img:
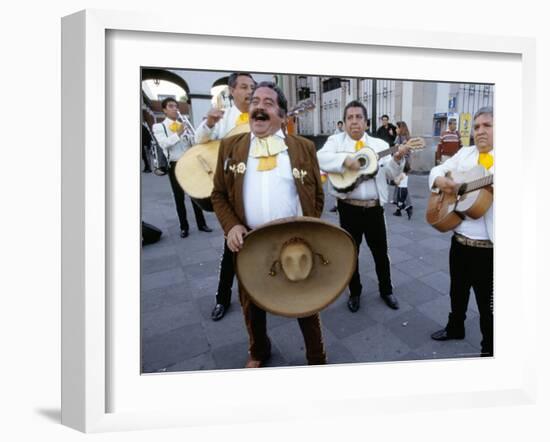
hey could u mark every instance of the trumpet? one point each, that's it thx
(189, 132)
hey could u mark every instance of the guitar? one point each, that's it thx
(474, 197)
(196, 167)
(368, 158)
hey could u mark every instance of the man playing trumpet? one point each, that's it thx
(171, 137)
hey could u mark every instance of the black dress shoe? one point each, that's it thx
(444, 335)
(391, 301)
(218, 312)
(184, 233)
(147, 170)
(205, 228)
(354, 303)
(334, 209)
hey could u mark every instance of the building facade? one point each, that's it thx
(425, 106)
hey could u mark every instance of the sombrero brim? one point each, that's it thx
(276, 294)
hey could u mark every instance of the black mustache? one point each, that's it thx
(260, 115)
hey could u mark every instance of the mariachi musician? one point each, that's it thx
(261, 177)
(172, 137)
(471, 253)
(218, 124)
(362, 209)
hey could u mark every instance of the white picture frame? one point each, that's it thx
(89, 232)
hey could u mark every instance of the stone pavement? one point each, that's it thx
(179, 279)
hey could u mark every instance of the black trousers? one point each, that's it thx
(145, 158)
(471, 267)
(227, 274)
(145, 143)
(179, 198)
(370, 223)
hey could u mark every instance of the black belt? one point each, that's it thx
(362, 203)
(480, 243)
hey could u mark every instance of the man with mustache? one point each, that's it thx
(216, 126)
(471, 253)
(361, 211)
(260, 177)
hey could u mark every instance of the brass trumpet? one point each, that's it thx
(189, 132)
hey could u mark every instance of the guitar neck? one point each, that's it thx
(387, 152)
(478, 184)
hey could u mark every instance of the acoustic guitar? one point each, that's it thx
(196, 167)
(368, 158)
(473, 198)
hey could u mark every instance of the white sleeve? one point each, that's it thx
(203, 133)
(165, 142)
(442, 169)
(330, 160)
(392, 168)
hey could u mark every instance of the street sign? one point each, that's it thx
(465, 128)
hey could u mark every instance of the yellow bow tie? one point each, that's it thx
(359, 144)
(242, 119)
(174, 127)
(267, 149)
(486, 160)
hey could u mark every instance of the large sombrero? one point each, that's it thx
(296, 266)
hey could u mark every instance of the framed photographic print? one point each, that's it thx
(128, 360)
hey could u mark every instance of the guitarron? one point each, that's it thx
(196, 167)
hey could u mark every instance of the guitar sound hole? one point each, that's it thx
(362, 161)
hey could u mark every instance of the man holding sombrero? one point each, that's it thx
(260, 177)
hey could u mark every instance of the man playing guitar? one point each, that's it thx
(361, 210)
(471, 253)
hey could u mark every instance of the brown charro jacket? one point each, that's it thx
(227, 195)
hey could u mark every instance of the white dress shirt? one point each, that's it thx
(271, 194)
(171, 143)
(341, 146)
(220, 129)
(466, 158)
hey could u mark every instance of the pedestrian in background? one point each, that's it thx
(402, 136)
(387, 131)
(402, 187)
(449, 143)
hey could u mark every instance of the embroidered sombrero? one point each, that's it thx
(297, 266)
